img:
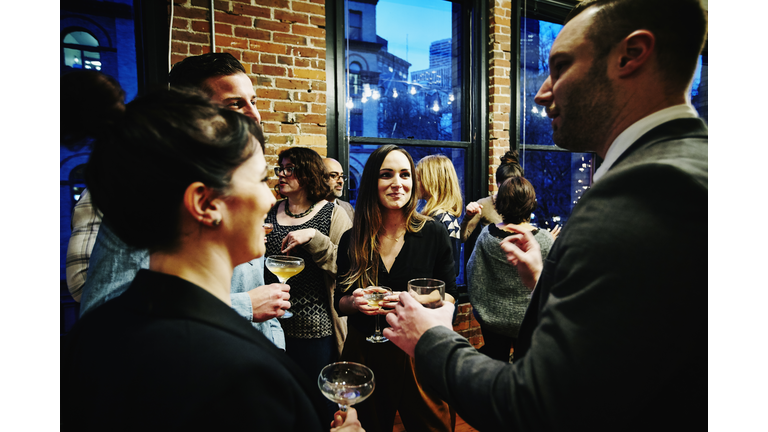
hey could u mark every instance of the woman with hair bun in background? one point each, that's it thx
(483, 211)
(497, 294)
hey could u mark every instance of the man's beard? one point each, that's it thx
(587, 112)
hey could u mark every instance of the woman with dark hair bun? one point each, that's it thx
(186, 180)
(483, 211)
(307, 226)
(497, 294)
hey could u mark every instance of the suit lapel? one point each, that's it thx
(671, 130)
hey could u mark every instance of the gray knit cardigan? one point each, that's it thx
(496, 292)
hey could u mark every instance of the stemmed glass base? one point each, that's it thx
(287, 314)
(376, 338)
(376, 295)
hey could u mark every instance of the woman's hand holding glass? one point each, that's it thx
(361, 303)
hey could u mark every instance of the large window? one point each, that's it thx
(410, 75)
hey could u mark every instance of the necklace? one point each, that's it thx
(396, 239)
(300, 215)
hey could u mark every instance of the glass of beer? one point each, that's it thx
(429, 292)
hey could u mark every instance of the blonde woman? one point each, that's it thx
(439, 186)
(389, 244)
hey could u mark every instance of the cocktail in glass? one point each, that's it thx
(284, 267)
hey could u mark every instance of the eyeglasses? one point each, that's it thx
(336, 176)
(287, 171)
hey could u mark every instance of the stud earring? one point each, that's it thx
(216, 222)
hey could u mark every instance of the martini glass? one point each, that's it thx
(284, 267)
(346, 383)
(376, 296)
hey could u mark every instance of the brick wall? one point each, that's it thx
(281, 43)
(499, 100)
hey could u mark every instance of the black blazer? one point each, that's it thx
(615, 337)
(168, 355)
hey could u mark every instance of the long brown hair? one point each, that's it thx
(364, 243)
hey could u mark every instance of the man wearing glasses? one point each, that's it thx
(336, 182)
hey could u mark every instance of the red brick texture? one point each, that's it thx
(281, 43)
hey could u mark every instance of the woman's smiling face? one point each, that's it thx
(395, 181)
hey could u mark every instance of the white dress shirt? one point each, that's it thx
(634, 132)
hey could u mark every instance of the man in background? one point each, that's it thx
(336, 182)
(615, 336)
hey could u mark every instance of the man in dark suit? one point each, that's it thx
(615, 337)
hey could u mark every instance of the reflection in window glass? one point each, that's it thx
(407, 88)
(559, 179)
(536, 41)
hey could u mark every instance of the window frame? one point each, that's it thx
(475, 131)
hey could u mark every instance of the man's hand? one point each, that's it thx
(346, 422)
(411, 320)
(269, 301)
(472, 209)
(523, 251)
(555, 231)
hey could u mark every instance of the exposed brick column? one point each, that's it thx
(499, 91)
(281, 43)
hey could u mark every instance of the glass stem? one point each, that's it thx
(378, 328)
(342, 408)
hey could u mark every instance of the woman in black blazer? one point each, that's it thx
(188, 181)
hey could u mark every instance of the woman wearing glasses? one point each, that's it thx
(306, 225)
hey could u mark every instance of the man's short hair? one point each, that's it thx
(193, 71)
(680, 28)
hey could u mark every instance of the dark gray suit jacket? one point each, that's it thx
(615, 337)
(168, 355)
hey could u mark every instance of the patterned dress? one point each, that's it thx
(309, 296)
(454, 228)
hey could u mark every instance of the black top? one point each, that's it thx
(425, 254)
(168, 355)
(309, 295)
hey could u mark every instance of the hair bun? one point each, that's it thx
(510, 157)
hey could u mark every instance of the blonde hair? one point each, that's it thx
(440, 185)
